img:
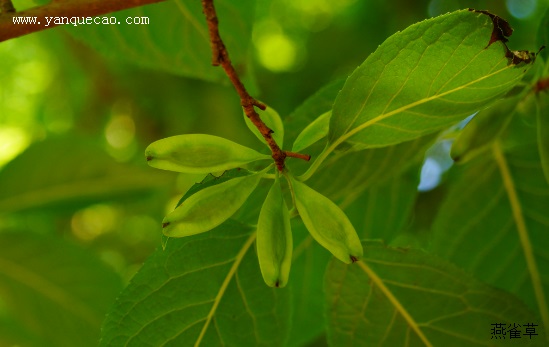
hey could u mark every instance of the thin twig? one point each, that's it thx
(220, 56)
(6, 6)
(83, 8)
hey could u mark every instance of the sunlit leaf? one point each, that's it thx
(56, 292)
(199, 153)
(426, 77)
(403, 297)
(203, 290)
(315, 131)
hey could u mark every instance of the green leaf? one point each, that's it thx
(543, 133)
(493, 223)
(427, 77)
(404, 297)
(326, 222)
(383, 210)
(204, 290)
(55, 292)
(347, 176)
(309, 263)
(52, 173)
(209, 207)
(176, 39)
(318, 103)
(199, 153)
(315, 131)
(481, 131)
(274, 238)
(273, 121)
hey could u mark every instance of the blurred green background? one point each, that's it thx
(79, 105)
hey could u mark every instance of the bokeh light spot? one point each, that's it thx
(521, 8)
(276, 52)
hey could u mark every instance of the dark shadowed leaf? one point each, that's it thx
(494, 223)
(70, 172)
(176, 38)
(403, 297)
(203, 290)
(56, 293)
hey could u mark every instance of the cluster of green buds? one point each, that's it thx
(211, 206)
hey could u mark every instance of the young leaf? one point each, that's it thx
(203, 290)
(55, 293)
(404, 297)
(198, 153)
(493, 223)
(210, 207)
(274, 238)
(426, 77)
(273, 121)
(314, 132)
(327, 223)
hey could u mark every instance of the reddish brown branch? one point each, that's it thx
(220, 56)
(84, 8)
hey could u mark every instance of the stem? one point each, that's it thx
(84, 8)
(220, 56)
(316, 164)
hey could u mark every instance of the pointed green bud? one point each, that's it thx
(199, 153)
(274, 238)
(209, 207)
(314, 132)
(327, 223)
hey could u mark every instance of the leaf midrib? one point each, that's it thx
(522, 231)
(395, 302)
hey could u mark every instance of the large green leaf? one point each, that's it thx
(176, 38)
(55, 293)
(426, 77)
(494, 223)
(403, 297)
(306, 280)
(69, 172)
(203, 290)
(383, 210)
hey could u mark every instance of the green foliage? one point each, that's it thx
(56, 293)
(208, 300)
(345, 250)
(399, 296)
(176, 38)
